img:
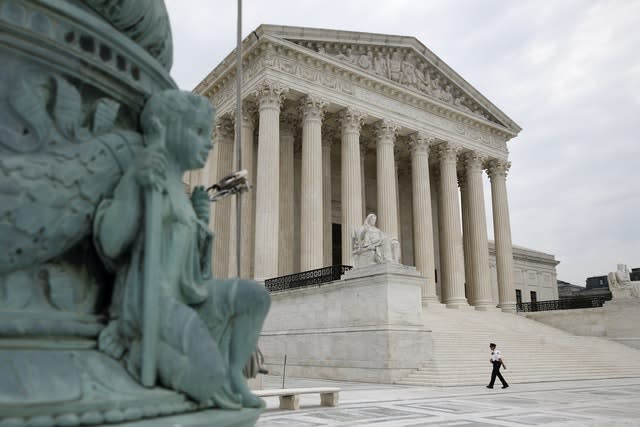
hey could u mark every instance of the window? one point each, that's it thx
(518, 296)
(534, 297)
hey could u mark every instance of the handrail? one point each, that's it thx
(306, 278)
(564, 303)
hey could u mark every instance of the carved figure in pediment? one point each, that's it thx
(479, 112)
(395, 65)
(366, 61)
(380, 65)
(422, 82)
(446, 95)
(348, 57)
(408, 76)
(437, 88)
(461, 102)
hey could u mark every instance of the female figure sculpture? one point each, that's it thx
(371, 245)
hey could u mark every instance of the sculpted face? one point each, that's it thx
(371, 219)
(197, 138)
(192, 141)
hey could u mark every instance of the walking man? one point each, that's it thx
(496, 361)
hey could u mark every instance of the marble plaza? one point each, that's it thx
(592, 403)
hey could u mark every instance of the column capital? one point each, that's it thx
(386, 131)
(419, 143)
(224, 128)
(497, 168)
(473, 161)
(351, 120)
(313, 107)
(270, 94)
(447, 152)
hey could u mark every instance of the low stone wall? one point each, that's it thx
(584, 321)
(617, 320)
(364, 329)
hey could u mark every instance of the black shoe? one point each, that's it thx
(505, 386)
(489, 386)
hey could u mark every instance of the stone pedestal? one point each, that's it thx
(367, 328)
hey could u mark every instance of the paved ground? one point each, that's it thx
(601, 403)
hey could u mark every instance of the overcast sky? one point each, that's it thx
(567, 71)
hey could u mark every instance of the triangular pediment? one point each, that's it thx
(396, 59)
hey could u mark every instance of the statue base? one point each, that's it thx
(375, 269)
(56, 384)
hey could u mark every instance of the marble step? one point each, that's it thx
(533, 352)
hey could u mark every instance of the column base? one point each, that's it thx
(485, 306)
(458, 304)
(432, 303)
(508, 307)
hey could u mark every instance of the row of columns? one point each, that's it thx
(271, 226)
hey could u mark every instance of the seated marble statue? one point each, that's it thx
(208, 328)
(371, 246)
(621, 285)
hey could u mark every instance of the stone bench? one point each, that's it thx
(290, 397)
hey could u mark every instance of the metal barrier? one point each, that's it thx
(564, 303)
(306, 278)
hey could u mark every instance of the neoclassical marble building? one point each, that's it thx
(338, 124)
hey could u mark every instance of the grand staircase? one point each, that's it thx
(532, 351)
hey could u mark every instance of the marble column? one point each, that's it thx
(363, 180)
(351, 180)
(466, 235)
(297, 192)
(247, 204)
(311, 224)
(451, 236)
(478, 241)
(286, 244)
(222, 219)
(270, 97)
(497, 172)
(422, 215)
(396, 176)
(327, 237)
(386, 178)
(405, 212)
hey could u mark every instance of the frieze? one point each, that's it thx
(438, 116)
(402, 66)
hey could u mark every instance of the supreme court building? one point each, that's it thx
(339, 124)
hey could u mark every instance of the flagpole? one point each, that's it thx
(238, 131)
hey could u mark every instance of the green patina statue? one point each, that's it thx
(109, 310)
(208, 328)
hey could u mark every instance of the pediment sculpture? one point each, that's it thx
(405, 68)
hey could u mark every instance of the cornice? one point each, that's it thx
(265, 51)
